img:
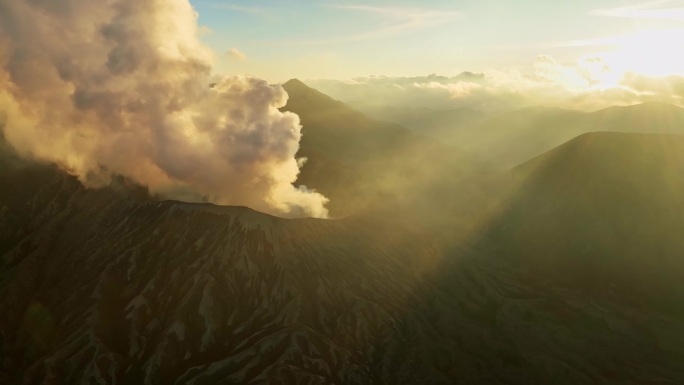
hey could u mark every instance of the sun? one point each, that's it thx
(654, 53)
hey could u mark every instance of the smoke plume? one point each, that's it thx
(125, 87)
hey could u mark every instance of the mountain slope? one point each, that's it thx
(112, 287)
(105, 286)
(353, 156)
(603, 212)
(511, 138)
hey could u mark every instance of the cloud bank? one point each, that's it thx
(654, 10)
(123, 87)
(588, 84)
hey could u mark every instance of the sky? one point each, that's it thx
(278, 40)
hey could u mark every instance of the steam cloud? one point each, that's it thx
(123, 86)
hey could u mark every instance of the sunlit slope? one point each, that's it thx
(605, 212)
(511, 138)
(355, 159)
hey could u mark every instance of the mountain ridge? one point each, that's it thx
(509, 138)
(379, 162)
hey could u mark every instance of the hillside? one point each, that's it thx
(356, 160)
(603, 212)
(111, 286)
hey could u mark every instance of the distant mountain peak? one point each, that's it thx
(296, 86)
(303, 96)
(646, 107)
(294, 83)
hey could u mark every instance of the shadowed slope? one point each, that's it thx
(107, 286)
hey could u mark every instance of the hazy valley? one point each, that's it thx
(459, 260)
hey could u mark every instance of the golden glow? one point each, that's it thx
(654, 53)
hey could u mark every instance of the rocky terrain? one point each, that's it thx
(114, 287)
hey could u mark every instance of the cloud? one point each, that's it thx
(237, 8)
(668, 85)
(406, 19)
(205, 30)
(122, 87)
(654, 10)
(588, 84)
(654, 52)
(236, 54)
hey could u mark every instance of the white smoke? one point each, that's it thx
(123, 86)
